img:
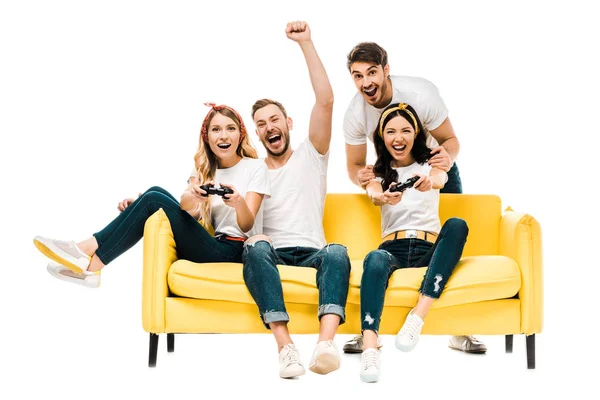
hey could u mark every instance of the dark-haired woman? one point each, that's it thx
(411, 231)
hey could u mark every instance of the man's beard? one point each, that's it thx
(382, 89)
(284, 136)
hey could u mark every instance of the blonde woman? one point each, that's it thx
(225, 157)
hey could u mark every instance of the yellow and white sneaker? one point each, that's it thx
(64, 253)
(87, 279)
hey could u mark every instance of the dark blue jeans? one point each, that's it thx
(454, 184)
(264, 283)
(379, 265)
(192, 241)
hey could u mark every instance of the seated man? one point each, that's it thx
(292, 225)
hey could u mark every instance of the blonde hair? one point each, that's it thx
(206, 162)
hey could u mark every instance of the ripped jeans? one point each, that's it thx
(378, 266)
(264, 283)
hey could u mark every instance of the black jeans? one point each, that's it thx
(192, 241)
(378, 266)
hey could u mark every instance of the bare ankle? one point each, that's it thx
(88, 246)
(369, 339)
(280, 346)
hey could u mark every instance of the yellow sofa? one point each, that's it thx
(496, 289)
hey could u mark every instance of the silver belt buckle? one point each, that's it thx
(411, 234)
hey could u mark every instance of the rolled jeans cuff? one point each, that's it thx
(332, 309)
(275, 316)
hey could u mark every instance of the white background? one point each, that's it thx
(101, 100)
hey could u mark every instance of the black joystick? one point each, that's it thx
(211, 189)
(401, 187)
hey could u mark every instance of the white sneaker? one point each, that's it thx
(325, 359)
(407, 338)
(290, 365)
(87, 279)
(64, 253)
(370, 365)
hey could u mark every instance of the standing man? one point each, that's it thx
(293, 220)
(370, 71)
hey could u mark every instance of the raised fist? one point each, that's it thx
(298, 31)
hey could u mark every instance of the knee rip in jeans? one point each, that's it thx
(257, 238)
(335, 245)
(378, 253)
(369, 320)
(387, 253)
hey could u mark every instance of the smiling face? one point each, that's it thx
(399, 138)
(223, 137)
(273, 129)
(372, 82)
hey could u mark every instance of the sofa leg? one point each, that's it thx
(170, 342)
(508, 340)
(530, 351)
(153, 349)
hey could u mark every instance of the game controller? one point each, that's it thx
(220, 191)
(401, 187)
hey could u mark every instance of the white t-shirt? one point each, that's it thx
(248, 175)
(294, 212)
(416, 210)
(361, 118)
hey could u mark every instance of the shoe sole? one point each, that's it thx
(369, 378)
(468, 351)
(290, 376)
(325, 364)
(55, 257)
(69, 279)
(404, 348)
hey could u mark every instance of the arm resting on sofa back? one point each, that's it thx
(521, 240)
(159, 254)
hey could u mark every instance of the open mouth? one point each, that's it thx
(371, 91)
(274, 139)
(399, 148)
(224, 146)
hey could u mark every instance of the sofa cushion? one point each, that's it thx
(477, 278)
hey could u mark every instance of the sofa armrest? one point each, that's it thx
(521, 240)
(159, 254)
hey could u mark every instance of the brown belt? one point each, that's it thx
(412, 234)
(234, 238)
